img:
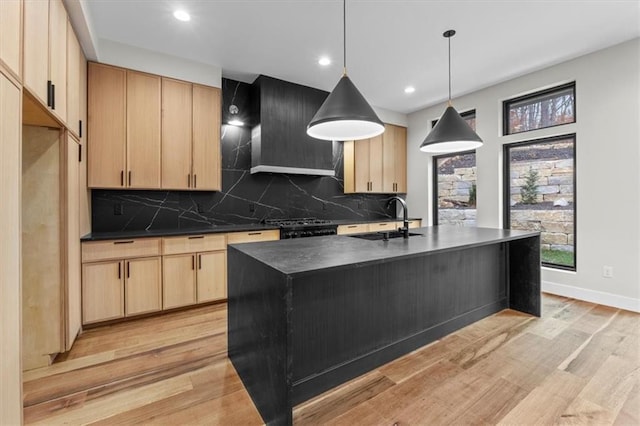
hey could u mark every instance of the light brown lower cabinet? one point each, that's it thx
(178, 280)
(358, 228)
(115, 289)
(211, 276)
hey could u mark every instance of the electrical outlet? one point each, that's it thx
(607, 271)
(252, 207)
(118, 209)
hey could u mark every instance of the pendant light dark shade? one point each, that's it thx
(452, 133)
(345, 114)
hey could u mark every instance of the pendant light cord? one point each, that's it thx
(344, 37)
(449, 70)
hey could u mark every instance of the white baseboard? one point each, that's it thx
(599, 297)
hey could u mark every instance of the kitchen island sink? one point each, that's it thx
(308, 314)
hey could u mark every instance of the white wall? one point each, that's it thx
(391, 117)
(126, 56)
(607, 167)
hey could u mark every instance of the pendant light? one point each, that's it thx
(451, 133)
(345, 114)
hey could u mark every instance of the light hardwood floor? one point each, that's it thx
(578, 364)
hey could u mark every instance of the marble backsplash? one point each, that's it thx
(245, 198)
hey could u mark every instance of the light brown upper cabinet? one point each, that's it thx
(190, 136)
(151, 132)
(45, 53)
(394, 159)
(377, 165)
(107, 126)
(10, 34)
(143, 130)
(124, 128)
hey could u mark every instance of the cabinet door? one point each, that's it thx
(206, 138)
(178, 280)
(176, 134)
(106, 127)
(102, 291)
(10, 237)
(388, 159)
(73, 81)
(400, 158)
(361, 165)
(143, 286)
(212, 276)
(58, 57)
(36, 48)
(10, 32)
(73, 312)
(143, 130)
(375, 164)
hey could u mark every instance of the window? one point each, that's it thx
(454, 184)
(540, 195)
(547, 108)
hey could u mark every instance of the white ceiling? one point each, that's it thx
(390, 44)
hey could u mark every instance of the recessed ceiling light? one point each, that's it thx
(236, 123)
(409, 89)
(181, 15)
(324, 61)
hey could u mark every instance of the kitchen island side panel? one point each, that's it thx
(525, 275)
(258, 334)
(348, 322)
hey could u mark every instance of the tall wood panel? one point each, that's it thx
(73, 302)
(36, 47)
(11, 35)
(143, 130)
(10, 253)
(206, 138)
(176, 134)
(106, 126)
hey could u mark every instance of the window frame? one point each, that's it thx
(506, 191)
(464, 115)
(434, 199)
(507, 104)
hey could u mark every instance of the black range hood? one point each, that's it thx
(279, 143)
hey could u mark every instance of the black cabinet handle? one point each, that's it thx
(255, 233)
(53, 96)
(195, 181)
(121, 177)
(123, 242)
(80, 128)
(199, 261)
(128, 271)
(189, 180)
(119, 270)
(196, 237)
(352, 226)
(80, 153)
(49, 93)
(193, 261)
(129, 177)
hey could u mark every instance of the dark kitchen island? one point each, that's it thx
(308, 314)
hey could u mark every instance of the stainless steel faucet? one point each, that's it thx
(405, 213)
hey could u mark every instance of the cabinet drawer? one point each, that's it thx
(353, 229)
(384, 226)
(253, 236)
(193, 244)
(415, 224)
(93, 251)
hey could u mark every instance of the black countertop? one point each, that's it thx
(302, 255)
(119, 235)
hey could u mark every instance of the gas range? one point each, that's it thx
(303, 227)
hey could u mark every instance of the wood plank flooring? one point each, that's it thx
(578, 364)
